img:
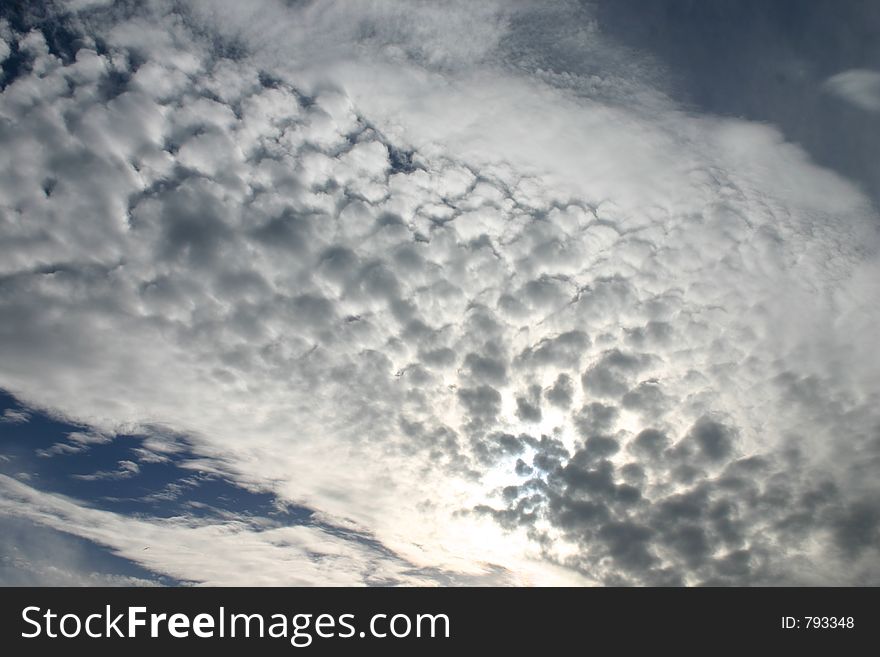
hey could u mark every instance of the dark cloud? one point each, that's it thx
(707, 440)
(522, 469)
(858, 528)
(628, 544)
(528, 406)
(485, 368)
(549, 453)
(650, 443)
(647, 398)
(594, 418)
(733, 527)
(611, 375)
(561, 393)
(497, 445)
(565, 350)
(481, 403)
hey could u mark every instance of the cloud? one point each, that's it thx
(499, 315)
(215, 553)
(124, 470)
(33, 555)
(701, 529)
(858, 87)
(15, 416)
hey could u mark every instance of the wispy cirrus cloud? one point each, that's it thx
(858, 87)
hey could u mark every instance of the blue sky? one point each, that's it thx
(766, 61)
(49, 454)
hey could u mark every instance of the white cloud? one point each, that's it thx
(859, 87)
(79, 5)
(33, 555)
(339, 284)
(14, 416)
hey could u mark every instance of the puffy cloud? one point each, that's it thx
(494, 320)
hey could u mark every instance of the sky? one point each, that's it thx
(379, 292)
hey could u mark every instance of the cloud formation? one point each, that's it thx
(858, 87)
(491, 314)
